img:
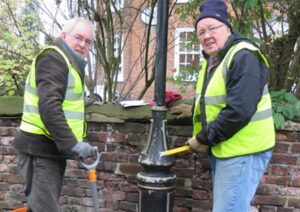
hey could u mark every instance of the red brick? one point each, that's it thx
(290, 191)
(2, 195)
(201, 184)
(93, 136)
(279, 170)
(113, 195)
(75, 191)
(278, 180)
(295, 148)
(109, 156)
(133, 158)
(109, 166)
(116, 157)
(103, 136)
(110, 176)
(122, 157)
(13, 178)
(182, 163)
(132, 197)
(284, 159)
(128, 187)
(119, 137)
(128, 206)
(183, 172)
(4, 168)
(199, 194)
(296, 181)
(132, 128)
(8, 150)
(191, 203)
(285, 210)
(270, 200)
(295, 170)
(136, 138)
(99, 144)
(112, 185)
(280, 137)
(268, 209)
(281, 147)
(3, 131)
(80, 173)
(184, 192)
(267, 189)
(291, 136)
(4, 186)
(180, 209)
(6, 141)
(114, 205)
(128, 168)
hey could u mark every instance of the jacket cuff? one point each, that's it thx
(202, 138)
(205, 138)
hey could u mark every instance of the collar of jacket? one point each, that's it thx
(74, 59)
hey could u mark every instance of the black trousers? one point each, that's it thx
(43, 181)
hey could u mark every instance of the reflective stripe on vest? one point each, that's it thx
(258, 135)
(73, 104)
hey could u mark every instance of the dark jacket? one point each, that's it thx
(245, 82)
(51, 80)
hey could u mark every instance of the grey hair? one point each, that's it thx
(70, 24)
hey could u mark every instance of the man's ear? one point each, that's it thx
(62, 35)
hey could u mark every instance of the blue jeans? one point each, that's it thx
(235, 181)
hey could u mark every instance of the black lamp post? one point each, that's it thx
(157, 182)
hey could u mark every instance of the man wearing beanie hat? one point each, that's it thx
(232, 117)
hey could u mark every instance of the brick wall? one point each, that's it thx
(121, 144)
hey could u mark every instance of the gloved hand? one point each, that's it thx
(84, 150)
(183, 111)
(196, 146)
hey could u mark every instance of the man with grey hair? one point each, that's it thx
(53, 128)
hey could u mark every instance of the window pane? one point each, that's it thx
(188, 54)
(182, 58)
(182, 47)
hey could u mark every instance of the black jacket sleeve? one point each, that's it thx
(51, 79)
(245, 82)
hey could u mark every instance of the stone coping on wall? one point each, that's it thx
(11, 106)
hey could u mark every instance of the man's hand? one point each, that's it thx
(183, 111)
(84, 150)
(196, 146)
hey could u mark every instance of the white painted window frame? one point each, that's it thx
(120, 77)
(181, 1)
(177, 52)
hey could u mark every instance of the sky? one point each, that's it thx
(48, 11)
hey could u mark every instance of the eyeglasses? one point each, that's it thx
(80, 38)
(211, 30)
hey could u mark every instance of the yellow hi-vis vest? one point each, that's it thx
(258, 135)
(73, 104)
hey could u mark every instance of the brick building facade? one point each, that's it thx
(133, 54)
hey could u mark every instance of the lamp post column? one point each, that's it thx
(156, 182)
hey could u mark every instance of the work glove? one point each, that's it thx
(84, 150)
(196, 146)
(183, 111)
